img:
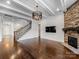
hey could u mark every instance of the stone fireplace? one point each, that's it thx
(72, 22)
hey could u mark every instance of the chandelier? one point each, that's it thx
(37, 15)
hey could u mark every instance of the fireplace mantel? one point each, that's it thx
(74, 29)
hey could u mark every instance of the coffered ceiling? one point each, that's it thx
(24, 8)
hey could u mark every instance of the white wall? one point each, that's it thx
(57, 21)
(0, 27)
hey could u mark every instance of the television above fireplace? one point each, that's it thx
(73, 42)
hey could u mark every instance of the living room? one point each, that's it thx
(39, 29)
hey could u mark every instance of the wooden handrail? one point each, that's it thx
(20, 32)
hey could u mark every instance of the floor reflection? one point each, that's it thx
(29, 49)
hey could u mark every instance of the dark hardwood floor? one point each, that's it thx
(29, 49)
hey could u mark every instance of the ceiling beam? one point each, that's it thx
(26, 6)
(63, 4)
(73, 4)
(15, 10)
(16, 15)
(11, 12)
(42, 2)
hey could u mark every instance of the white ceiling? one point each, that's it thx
(24, 8)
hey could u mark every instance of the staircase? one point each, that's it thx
(20, 32)
(21, 25)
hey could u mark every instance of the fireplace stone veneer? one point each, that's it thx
(71, 22)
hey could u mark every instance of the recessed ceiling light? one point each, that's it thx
(8, 2)
(58, 9)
